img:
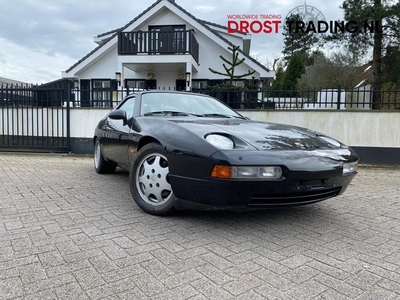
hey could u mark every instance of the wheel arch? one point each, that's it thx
(147, 140)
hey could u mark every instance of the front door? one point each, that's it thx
(167, 39)
(180, 85)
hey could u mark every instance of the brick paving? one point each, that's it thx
(69, 233)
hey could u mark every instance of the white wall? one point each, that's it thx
(355, 128)
(103, 68)
(163, 18)
(85, 120)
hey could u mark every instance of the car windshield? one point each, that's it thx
(175, 104)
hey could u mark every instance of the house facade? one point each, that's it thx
(164, 47)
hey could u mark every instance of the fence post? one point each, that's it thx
(338, 97)
(68, 91)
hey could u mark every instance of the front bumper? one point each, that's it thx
(306, 179)
(231, 194)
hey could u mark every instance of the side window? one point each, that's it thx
(128, 106)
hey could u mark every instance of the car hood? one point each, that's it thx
(261, 135)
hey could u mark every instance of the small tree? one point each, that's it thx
(235, 61)
(294, 70)
(338, 70)
(277, 83)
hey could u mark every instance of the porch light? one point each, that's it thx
(188, 78)
(118, 78)
(76, 83)
(181, 75)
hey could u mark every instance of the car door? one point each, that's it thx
(116, 133)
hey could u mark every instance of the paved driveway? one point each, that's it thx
(69, 233)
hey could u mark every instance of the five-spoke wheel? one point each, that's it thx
(149, 182)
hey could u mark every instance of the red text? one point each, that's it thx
(254, 26)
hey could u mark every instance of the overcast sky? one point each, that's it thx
(41, 38)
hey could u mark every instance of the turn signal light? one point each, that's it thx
(220, 171)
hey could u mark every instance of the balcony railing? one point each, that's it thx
(158, 42)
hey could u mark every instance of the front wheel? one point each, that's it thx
(149, 183)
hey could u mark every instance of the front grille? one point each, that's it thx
(293, 198)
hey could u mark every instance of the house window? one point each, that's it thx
(179, 41)
(101, 92)
(213, 82)
(199, 83)
(135, 84)
(141, 84)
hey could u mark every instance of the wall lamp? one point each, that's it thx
(188, 78)
(118, 78)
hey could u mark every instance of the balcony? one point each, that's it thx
(158, 42)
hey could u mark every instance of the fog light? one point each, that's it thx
(349, 168)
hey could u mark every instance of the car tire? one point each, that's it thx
(101, 165)
(148, 179)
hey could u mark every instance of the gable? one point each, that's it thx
(165, 12)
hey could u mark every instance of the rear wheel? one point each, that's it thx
(100, 164)
(149, 183)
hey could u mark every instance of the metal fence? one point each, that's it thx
(360, 98)
(34, 118)
(363, 98)
(238, 98)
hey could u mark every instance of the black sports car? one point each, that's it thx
(190, 151)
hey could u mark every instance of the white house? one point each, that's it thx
(163, 47)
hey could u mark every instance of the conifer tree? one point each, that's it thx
(230, 66)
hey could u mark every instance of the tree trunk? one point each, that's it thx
(377, 59)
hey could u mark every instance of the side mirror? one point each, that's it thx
(118, 114)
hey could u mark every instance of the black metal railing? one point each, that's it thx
(34, 117)
(337, 99)
(238, 98)
(158, 42)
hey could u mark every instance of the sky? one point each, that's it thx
(41, 38)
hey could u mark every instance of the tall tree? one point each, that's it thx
(391, 66)
(296, 40)
(383, 16)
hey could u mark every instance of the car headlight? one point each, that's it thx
(247, 172)
(220, 141)
(349, 168)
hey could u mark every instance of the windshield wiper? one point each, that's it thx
(221, 116)
(170, 112)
